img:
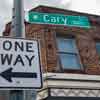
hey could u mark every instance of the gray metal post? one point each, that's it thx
(18, 30)
(18, 27)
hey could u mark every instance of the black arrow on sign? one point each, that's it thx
(8, 74)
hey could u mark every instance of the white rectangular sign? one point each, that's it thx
(19, 64)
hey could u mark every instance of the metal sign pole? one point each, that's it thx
(18, 30)
(18, 27)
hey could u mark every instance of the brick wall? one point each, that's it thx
(85, 39)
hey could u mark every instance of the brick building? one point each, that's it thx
(70, 56)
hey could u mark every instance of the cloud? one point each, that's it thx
(55, 3)
(1, 25)
(87, 6)
(5, 12)
(65, 2)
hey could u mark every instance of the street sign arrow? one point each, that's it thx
(8, 75)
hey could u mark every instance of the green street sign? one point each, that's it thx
(58, 19)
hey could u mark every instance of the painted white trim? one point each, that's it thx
(72, 76)
(62, 80)
(71, 84)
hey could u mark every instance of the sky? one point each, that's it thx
(87, 6)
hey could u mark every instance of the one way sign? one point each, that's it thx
(19, 64)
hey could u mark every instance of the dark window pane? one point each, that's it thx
(16, 95)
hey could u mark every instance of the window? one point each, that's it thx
(68, 54)
(16, 95)
(98, 47)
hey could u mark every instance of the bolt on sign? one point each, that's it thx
(58, 19)
(19, 63)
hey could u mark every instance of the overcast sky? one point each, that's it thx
(88, 6)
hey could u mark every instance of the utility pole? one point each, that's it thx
(18, 30)
(18, 27)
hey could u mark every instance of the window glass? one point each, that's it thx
(69, 61)
(66, 45)
(68, 53)
(16, 95)
(98, 47)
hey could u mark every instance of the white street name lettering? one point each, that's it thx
(54, 19)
